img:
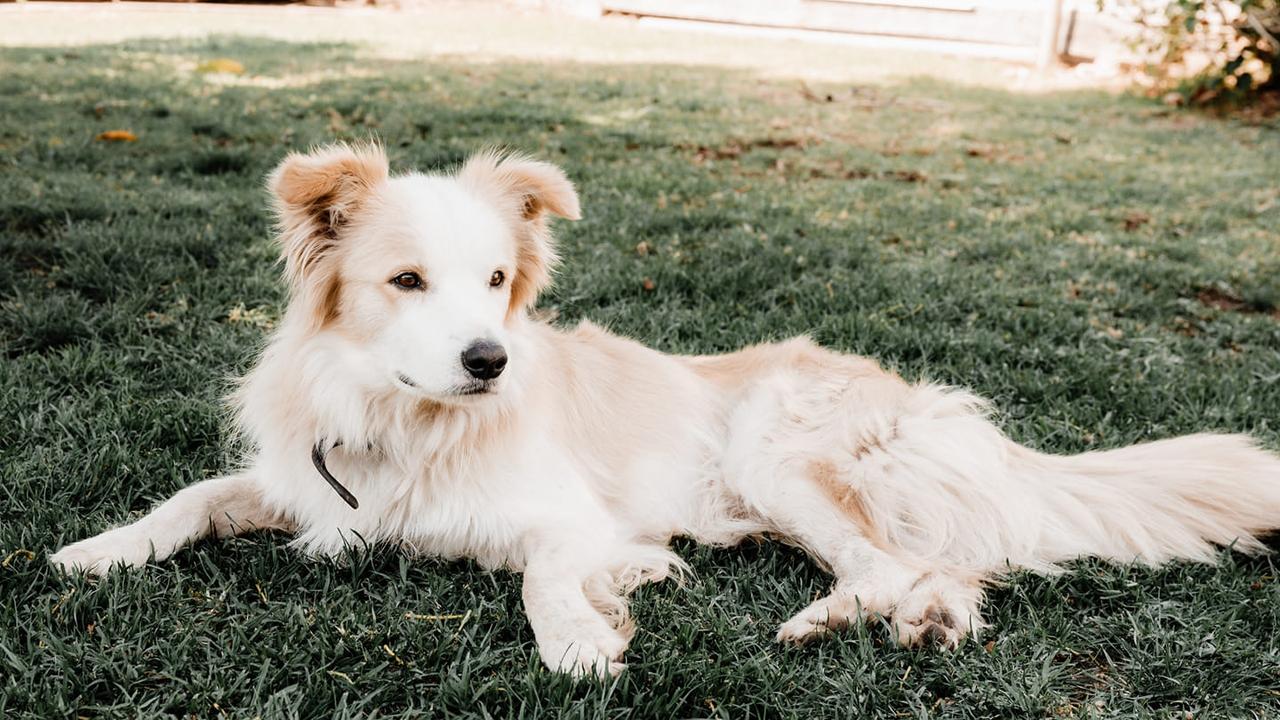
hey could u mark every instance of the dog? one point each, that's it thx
(409, 397)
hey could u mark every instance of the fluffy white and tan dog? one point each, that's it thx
(408, 374)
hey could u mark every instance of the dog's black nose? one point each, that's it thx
(484, 359)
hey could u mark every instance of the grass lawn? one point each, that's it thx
(1107, 271)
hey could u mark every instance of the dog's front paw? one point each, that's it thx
(101, 554)
(582, 658)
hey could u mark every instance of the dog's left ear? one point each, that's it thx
(526, 191)
(315, 195)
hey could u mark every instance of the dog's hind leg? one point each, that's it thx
(869, 581)
(928, 603)
(819, 457)
(927, 606)
(222, 506)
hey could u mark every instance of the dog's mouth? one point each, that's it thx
(481, 387)
(470, 389)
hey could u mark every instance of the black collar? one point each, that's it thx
(317, 458)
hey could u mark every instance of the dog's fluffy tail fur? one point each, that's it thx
(1154, 502)
(931, 478)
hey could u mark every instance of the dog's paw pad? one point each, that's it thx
(935, 627)
(940, 616)
(934, 635)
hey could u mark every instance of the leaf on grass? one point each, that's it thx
(221, 65)
(342, 675)
(909, 176)
(1135, 219)
(259, 317)
(20, 552)
(392, 654)
(117, 136)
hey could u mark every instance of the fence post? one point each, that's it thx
(1048, 56)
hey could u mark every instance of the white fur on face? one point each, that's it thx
(413, 340)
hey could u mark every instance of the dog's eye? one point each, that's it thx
(407, 281)
(497, 278)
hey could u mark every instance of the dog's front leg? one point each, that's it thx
(224, 506)
(572, 635)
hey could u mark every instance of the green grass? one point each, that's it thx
(960, 233)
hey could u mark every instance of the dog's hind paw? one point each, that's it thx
(820, 619)
(802, 631)
(940, 611)
(935, 627)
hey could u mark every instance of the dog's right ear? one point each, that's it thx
(315, 194)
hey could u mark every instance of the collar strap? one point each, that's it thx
(317, 459)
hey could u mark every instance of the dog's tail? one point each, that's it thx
(1154, 502)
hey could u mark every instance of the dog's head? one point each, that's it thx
(421, 276)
